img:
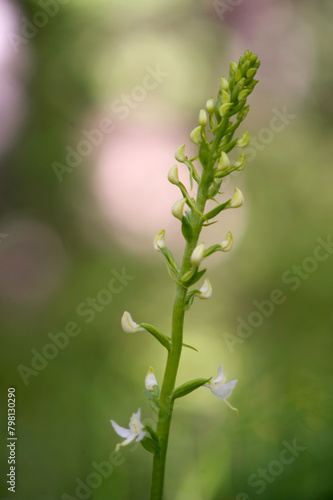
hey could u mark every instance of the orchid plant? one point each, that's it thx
(225, 115)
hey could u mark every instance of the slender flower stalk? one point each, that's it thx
(225, 114)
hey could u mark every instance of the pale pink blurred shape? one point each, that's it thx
(13, 68)
(33, 261)
(134, 193)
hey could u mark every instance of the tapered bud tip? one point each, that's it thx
(159, 240)
(128, 325)
(180, 154)
(195, 135)
(150, 380)
(202, 118)
(238, 75)
(210, 105)
(206, 290)
(177, 209)
(243, 113)
(173, 175)
(223, 110)
(244, 141)
(233, 67)
(223, 163)
(224, 85)
(197, 255)
(237, 200)
(227, 243)
(241, 162)
(225, 96)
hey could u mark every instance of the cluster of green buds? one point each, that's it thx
(215, 138)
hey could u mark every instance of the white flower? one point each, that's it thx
(128, 325)
(173, 175)
(227, 243)
(221, 388)
(136, 430)
(206, 290)
(159, 240)
(197, 255)
(237, 200)
(150, 380)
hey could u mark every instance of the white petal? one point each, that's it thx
(150, 380)
(128, 325)
(219, 377)
(121, 431)
(126, 442)
(223, 391)
(141, 436)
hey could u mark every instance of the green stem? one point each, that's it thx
(166, 403)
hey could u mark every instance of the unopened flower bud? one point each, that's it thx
(243, 113)
(177, 209)
(150, 380)
(238, 75)
(128, 325)
(180, 154)
(206, 290)
(224, 85)
(237, 200)
(227, 243)
(197, 255)
(251, 72)
(202, 118)
(173, 175)
(159, 240)
(223, 110)
(244, 141)
(233, 66)
(225, 96)
(195, 135)
(240, 163)
(243, 95)
(210, 106)
(223, 163)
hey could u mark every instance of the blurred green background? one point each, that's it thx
(66, 67)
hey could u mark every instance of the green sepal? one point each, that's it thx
(170, 259)
(150, 445)
(186, 229)
(217, 210)
(188, 387)
(157, 334)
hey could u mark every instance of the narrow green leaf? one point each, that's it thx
(212, 249)
(154, 405)
(170, 259)
(190, 347)
(196, 277)
(153, 434)
(186, 229)
(188, 387)
(157, 334)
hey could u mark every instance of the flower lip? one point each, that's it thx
(237, 200)
(159, 240)
(206, 290)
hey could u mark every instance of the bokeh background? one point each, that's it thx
(67, 68)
